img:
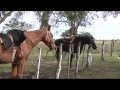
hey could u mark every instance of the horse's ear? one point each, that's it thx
(49, 27)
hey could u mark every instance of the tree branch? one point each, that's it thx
(5, 16)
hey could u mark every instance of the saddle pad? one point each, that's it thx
(18, 36)
(6, 40)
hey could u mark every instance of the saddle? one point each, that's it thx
(12, 38)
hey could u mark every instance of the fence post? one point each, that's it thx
(59, 62)
(38, 68)
(69, 56)
(78, 59)
(89, 56)
(112, 47)
(103, 51)
(83, 56)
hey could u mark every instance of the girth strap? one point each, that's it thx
(13, 55)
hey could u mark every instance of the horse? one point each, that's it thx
(84, 39)
(23, 50)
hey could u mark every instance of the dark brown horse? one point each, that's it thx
(23, 51)
(84, 39)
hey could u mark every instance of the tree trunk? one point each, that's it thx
(45, 19)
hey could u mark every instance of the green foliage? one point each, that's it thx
(43, 17)
(15, 24)
(65, 33)
(74, 19)
(105, 14)
(4, 15)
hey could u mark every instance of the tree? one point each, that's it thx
(82, 18)
(14, 23)
(105, 14)
(4, 15)
(16, 15)
(74, 19)
(43, 17)
(65, 33)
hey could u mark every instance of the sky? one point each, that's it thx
(105, 30)
(101, 30)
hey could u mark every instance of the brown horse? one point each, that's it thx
(23, 51)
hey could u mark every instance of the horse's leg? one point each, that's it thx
(64, 54)
(14, 70)
(20, 67)
(81, 48)
(57, 54)
(71, 58)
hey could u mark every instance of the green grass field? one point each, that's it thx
(108, 69)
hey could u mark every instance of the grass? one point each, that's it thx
(108, 69)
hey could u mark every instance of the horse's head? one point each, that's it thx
(94, 46)
(49, 39)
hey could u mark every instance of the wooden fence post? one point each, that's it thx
(103, 51)
(78, 59)
(69, 56)
(38, 68)
(89, 56)
(83, 56)
(59, 62)
(112, 47)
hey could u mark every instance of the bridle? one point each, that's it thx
(48, 33)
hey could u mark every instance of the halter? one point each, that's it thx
(48, 33)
